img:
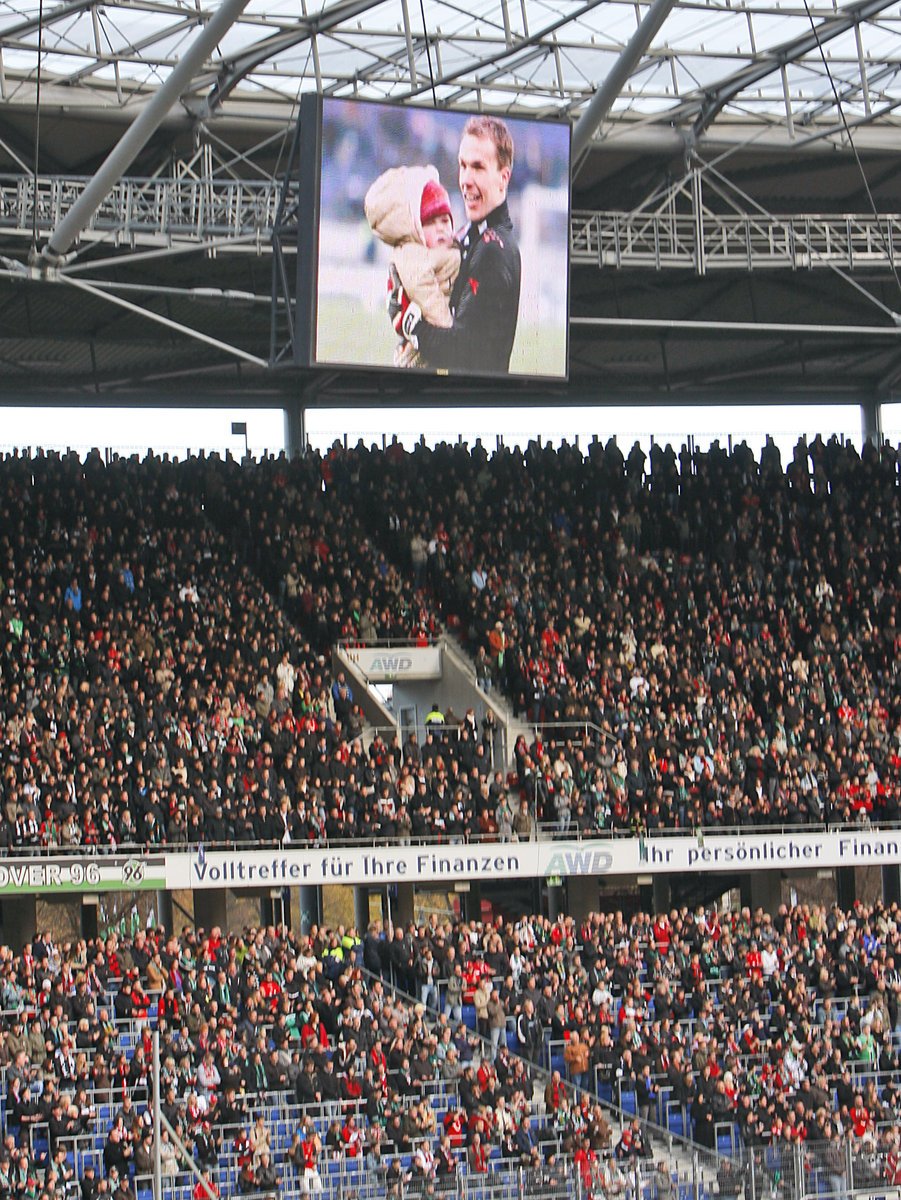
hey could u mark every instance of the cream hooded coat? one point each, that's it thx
(392, 207)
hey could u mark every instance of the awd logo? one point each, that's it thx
(391, 664)
(579, 862)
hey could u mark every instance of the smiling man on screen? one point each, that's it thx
(485, 299)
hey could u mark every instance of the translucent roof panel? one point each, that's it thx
(719, 61)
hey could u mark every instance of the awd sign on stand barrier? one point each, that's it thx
(385, 664)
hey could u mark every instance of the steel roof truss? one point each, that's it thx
(711, 103)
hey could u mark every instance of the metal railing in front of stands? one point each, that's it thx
(575, 726)
(548, 831)
(365, 643)
(339, 1174)
(787, 1172)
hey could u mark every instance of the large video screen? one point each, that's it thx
(443, 242)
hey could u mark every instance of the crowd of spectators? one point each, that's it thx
(708, 640)
(153, 691)
(728, 627)
(713, 641)
(248, 1026)
(781, 1026)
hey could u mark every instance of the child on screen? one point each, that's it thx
(408, 209)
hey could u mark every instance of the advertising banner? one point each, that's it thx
(486, 861)
(62, 876)
(291, 866)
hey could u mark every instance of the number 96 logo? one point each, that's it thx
(133, 872)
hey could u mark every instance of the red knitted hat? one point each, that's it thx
(435, 202)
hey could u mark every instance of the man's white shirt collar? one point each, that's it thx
(480, 229)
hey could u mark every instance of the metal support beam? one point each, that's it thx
(408, 38)
(233, 70)
(295, 427)
(150, 220)
(166, 322)
(602, 101)
(157, 1128)
(787, 100)
(314, 50)
(139, 133)
(862, 63)
(713, 328)
(132, 51)
(503, 56)
(697, 204)
(712, 101)
(61, 13)
(189, 1161)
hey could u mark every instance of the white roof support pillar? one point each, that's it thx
(602, 101)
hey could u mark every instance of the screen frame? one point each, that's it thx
(308, 196)
(307, 321)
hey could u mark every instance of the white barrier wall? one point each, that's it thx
(447, 864)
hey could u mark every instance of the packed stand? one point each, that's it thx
(772, 1030)
(710, 642)
(706, 640)
(724, 632)
(156, 690)
(417, 1055)
(285, 1069)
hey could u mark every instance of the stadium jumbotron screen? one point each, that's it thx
(443, 242)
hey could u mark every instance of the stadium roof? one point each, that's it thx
(767, 62)
(770, 106)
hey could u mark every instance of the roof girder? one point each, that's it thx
(233, 70)
(508, 51)
(710, 103)
(600, 104)
(551, 70)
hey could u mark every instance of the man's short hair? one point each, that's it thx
(496, 131)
